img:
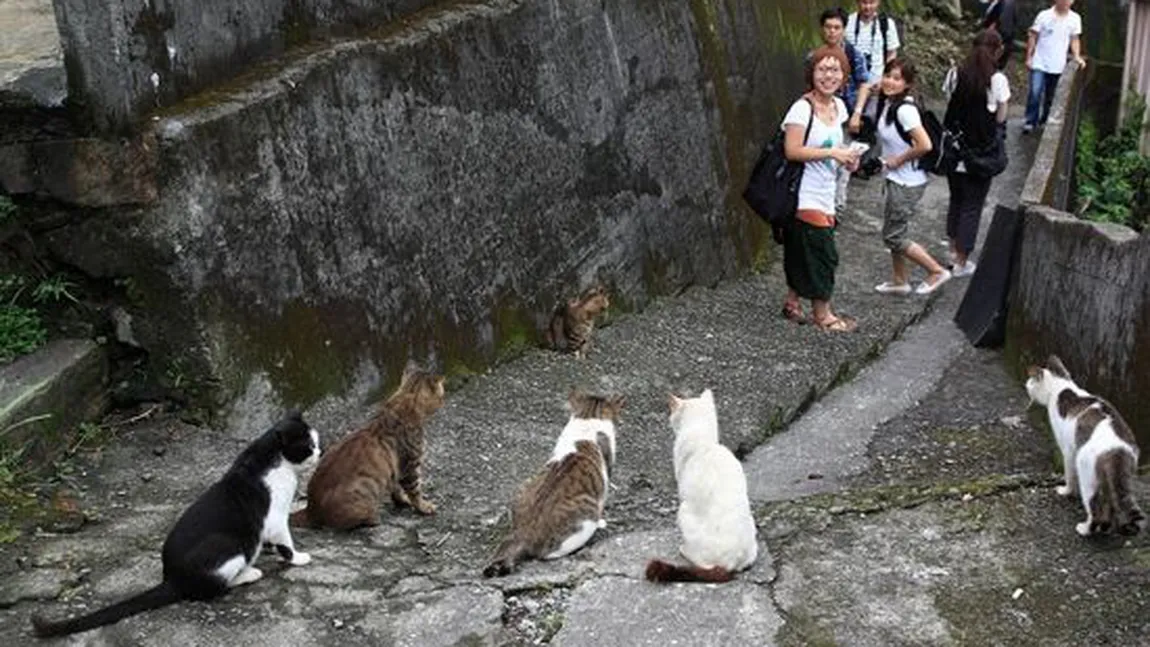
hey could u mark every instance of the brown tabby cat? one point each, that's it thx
(383, 458)
(561, 507)
(572, 322)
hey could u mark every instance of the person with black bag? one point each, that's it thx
(815, 137)
(977, 109)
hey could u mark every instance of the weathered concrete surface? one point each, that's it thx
(431, 190)
(128, 57)
(1083, 292)
(1048, 182)
(45, 395)
(85, 172)
(31, 61)
(416, 579)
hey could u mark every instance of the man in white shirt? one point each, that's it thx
(1054, 31)
(875, 35)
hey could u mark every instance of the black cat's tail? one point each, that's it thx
(507, 558)
(154, 598)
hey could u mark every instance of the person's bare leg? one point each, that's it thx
(924, 260)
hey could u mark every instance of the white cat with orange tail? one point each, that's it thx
(719, 537)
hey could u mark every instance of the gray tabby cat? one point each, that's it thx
(1099, 452)
(560, 508)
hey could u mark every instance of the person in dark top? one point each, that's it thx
(977, 109)
(1002, 17)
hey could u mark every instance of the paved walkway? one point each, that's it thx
(909, 505)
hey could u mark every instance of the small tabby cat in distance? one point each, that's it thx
(380, 460)
(572, 322)
(719, 537)
(560, 508)
(1099, 452)
(214, 545)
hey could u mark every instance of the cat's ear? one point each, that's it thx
(440, 383)
(708, 396)
(674, 403)
(1057, 367)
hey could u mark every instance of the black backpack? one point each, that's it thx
(773, 188)
(946, 149)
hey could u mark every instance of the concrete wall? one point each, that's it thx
(126, 57)
(1083, 292)
(431, 192)
(1051, 177)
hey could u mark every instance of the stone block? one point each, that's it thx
(45, 395)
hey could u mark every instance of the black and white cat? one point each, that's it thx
(1099, 452)
(216, 541)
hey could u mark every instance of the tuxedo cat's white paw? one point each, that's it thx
(1063, 490)
(246, 576)
(602, 524)
(300, 559)
(1083, 528)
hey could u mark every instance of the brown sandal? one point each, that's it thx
(838, 324)
(794, 312)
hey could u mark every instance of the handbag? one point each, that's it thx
(773, 187)
(989, 160)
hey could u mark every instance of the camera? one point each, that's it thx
(870, 166)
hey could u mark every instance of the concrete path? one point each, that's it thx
(928, 520)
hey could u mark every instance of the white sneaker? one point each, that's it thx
(966, 269)
(927, 288)
(892, 288)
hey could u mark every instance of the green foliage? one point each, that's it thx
(53, 290)
(1113, 177)
(21, 332)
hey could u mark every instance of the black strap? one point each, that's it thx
(811, 121)
(883, 23)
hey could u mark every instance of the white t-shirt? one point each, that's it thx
(893, 144)
(998, 92)
(1054, 35)
(869, 42)
(817, 189)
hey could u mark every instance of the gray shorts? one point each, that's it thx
(901, 204)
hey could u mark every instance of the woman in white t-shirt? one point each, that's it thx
(809, 254)
(977, 109)
(903, 140)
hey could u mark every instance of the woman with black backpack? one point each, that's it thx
(815, 138)
(977, 110)
(904, 141)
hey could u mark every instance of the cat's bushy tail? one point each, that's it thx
(154, 598)
(660, 571)
(507, 558)
(1128, 517)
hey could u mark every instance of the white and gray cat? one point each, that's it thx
(719, 537)
(1099, 451)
